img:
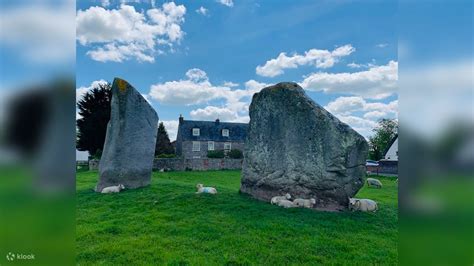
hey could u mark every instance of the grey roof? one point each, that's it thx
(212, 131)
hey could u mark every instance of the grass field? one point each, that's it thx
(167, 223)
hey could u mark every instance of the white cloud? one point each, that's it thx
(228, 3)
(361, 125)
(378, 82)
(203, 11)
(197, 89)
(349, 105)
(105, 3)
(196, 75)
(375, 115)
(382, 45)
(39, 33)
(368, 65)
(172, 128)
(123, 34)
(210, 113)
(231, 84)
(345, 108)
(318, 58)
(83, 89)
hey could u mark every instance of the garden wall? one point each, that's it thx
(178, 164)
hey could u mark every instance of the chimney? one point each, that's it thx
(181, 119)
(217, 121)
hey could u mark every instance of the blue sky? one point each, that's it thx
(228, 41)
(205, 59)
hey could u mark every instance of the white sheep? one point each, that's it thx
(374, 182)
(276, 199)
(286, 203)
(365, 205)
(306, 203)
(202, 189)
(113, 189)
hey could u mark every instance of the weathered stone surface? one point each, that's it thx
(294, 145)
(129, 147)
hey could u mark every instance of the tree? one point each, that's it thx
(385, 131)
(94, 107)
(163, 144)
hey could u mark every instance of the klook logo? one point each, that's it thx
(19, 256)
(10, 256)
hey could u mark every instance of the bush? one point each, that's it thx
(235, 154)
(215, 154)
(164, 155)
(96, 156)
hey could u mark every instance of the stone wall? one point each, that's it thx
(178, 164)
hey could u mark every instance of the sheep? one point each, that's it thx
(286, 203)
(202, 189)
(306, 203)
(113, 189)
(276, 199)
(374, 182)
(364, 205)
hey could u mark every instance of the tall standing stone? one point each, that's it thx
(294, 145)
(129, 146)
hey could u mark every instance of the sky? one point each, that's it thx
(205, 59)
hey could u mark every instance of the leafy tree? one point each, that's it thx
(163, 144)
(94, 107)
(385, 131)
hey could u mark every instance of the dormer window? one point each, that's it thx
(196, 132)
(225, 132)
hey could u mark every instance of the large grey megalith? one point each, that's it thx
(295, 146)
(129, 147)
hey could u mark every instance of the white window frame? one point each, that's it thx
(210, 145)
(196, 131)
(228, 144)
(196, 146)
(225, 134)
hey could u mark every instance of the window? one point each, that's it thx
(225, 132)
(210, 145)
(196, 146)
(227, 146)
(196, 132)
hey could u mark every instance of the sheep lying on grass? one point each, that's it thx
(286, 203)
(276, 199)
(364, 205)
(372, 182)
(306, 203)
(113, 189)
(202, 189)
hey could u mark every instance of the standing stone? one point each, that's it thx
(129, 146)
(294, 145)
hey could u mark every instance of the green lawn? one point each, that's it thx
(167, 223)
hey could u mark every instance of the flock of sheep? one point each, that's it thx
(364, 205)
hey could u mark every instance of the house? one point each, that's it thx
(391, 154)
(389, 164)
(196, 138)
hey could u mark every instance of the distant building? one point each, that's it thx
(196, 138)
(391, 153)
